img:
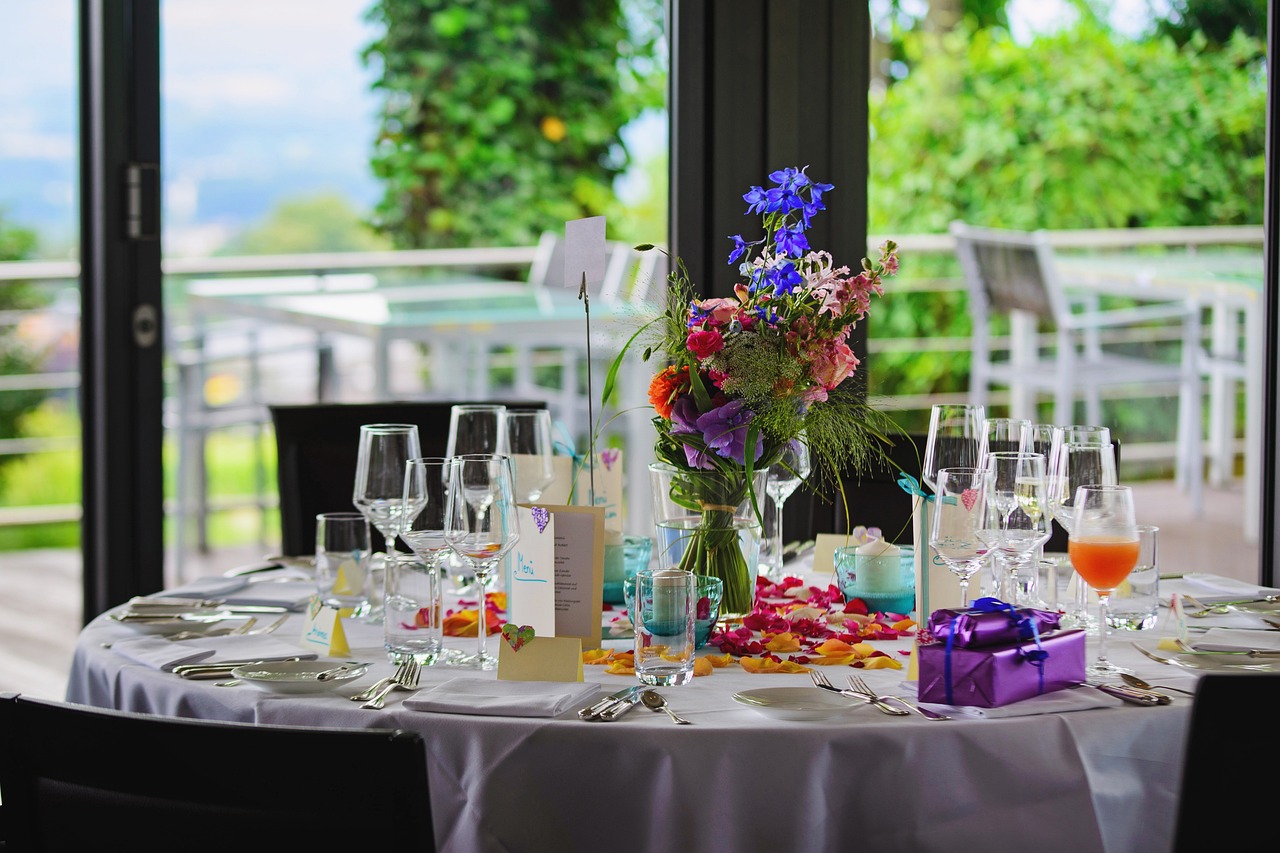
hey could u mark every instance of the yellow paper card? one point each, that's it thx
(540, 659)
(824, 552)
(323, 632)
(913, 665)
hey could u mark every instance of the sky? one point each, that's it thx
(261, 100)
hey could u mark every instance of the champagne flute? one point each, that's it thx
(785, 476)
(955, 433)
(999, 435)
(1103, 546)
(527, 433)
(959, 508)
(1018, 524)
(379, 491)
(413, 629)
(1038, 438)
(481, 526)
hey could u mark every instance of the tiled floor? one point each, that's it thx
(40, 590)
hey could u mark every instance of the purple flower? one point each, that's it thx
(792, 242)
(739, 248)
(724, 429)
(684, 415)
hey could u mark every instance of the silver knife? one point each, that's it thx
(620, 706)
(591, 712)
(1132, 695)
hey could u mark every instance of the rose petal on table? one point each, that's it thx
(784, 642)
(595, 657)
(621, 667)
(718, 661)
(879, 661)
(835, 648)
(769, 665)
(703, 666)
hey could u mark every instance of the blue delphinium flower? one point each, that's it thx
(791, 241)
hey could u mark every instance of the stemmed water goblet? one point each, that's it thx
(378, 492)
(1017, 524)
(527, 433)
(1103, 546)
(959, 508)
(481, 526)
(785, 476)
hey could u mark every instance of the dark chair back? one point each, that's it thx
(75, 778)
(1232, 723)
(316, 448)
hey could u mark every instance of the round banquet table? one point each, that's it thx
(1104, 779)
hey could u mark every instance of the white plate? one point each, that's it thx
(296, 676)
(795, 703)
(166, 626)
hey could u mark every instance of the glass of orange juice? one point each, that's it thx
(1103, 547)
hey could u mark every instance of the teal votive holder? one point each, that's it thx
(887, 583)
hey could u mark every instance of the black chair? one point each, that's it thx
(316, 448)
(1231, 733)
(75, 778)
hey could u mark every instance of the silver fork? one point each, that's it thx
(408, 680)
(820, 680)
(372, 690)
(858, 685)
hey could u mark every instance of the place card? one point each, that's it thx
(322, 632)
(524, 656)
(584, 251)
(531, 594)
(573, 570)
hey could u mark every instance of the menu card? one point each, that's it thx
(557, 578)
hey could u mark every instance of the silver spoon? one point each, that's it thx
(654, 701)
(1137, 682)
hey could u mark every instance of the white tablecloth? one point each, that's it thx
(1097, 780)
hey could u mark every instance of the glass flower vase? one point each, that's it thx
(705, 522)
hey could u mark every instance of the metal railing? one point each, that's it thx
(911, 245)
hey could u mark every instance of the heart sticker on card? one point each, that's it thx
(517, 635)
(969, 497)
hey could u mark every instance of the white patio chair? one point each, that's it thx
(1013, 274)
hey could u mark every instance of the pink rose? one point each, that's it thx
(720, 311)
(704, 343)
(833, 364)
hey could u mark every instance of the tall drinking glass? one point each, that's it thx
(527, 433)
(955, 436)
(1017, 525)
(1103, 546)
(1038, 438)
(785, 476)
(481, 526)
(959, 510)
(1071, 465)
(414, 619)
(379, 492)
(342, 560)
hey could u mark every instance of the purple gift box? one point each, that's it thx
(992, 676)
(991, 622)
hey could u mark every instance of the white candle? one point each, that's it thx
(878, 566)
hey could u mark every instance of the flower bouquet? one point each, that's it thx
(744, 376)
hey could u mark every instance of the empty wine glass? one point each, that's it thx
(785, 476)
(959, 508)
(481, 526)
(1017, 525)
(379, 491)
(414, 618)
(999, 435)
(955, 433)
(1059, 496)
(1103, 546)
(476, 428)
(527, 433)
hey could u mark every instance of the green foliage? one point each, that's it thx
(501, 120)
(320, 223)
(1079, 129)
(1215, 19)
(16, 357)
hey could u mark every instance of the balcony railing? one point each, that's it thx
(63, 274)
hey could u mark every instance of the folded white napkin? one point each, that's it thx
(1210, 588)
(160, 653)
(215, 586)
(292, 595)
(1234, 640)
(503, 698)
(1058, 702)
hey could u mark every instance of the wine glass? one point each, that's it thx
(785, 476)
(481, 525)
(379, 490)
(1038, 438)
(999, 435)
(476, 428)
(1017, 524)
(527, 433)
(959, 508)
(1103, 546)
(414, 622)
(955, 433)
(1062, 492)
